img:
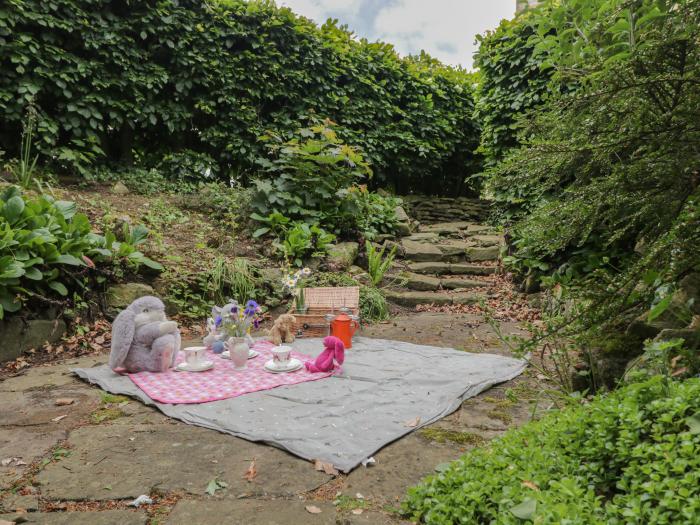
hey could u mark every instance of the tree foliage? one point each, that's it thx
(610, 172)
(512, 80)
(114, 79)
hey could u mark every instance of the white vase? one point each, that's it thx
(238, 352)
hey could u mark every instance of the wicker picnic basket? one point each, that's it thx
(323, 301)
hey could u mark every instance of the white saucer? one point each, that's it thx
(184, 367)
(293, 366)
(227, 355)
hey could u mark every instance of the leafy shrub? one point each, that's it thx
(512, 80)
(373, 213)
(188, 167)
(45, 243)
(212, 76)
(608, 172)
(309, 176)
(301, 241)
(628, 457)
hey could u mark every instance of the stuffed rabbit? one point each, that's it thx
(143, 339)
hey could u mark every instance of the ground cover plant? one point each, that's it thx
(626, 457)
(48, 249)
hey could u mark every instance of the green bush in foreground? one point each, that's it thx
(630, 457)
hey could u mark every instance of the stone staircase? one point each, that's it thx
(446, 263)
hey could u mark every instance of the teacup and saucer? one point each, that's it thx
(195, 360)
(282, 360)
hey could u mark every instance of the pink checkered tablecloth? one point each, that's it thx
(222, 381)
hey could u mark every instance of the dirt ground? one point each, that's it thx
(83, 462)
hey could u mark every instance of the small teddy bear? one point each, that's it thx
(283, 330)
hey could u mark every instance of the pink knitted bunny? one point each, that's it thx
(334, 350)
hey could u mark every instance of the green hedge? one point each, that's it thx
(631, 457)
(111, 78)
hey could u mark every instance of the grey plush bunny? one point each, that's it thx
(143, 339)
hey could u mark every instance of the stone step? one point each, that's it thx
(421, 282)
(414, 298)
(454, 251)
(446, 268)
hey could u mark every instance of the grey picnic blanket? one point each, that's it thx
(344, 419)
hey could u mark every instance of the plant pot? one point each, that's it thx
(302, 310)
(238, 352)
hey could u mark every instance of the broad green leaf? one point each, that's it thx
(67, 208)
(67, 258)
(525, 510)
(693, 423)
(13, 208)
(58, 288)
(659, 308)
(33, 273)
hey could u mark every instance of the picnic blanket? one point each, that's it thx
(222, 381)
(347, 417)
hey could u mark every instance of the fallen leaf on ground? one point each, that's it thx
(313, 509)
(215, 485)
(412, 423)
(58, 418)
(5, 522)
(530, 484)
(64, 401)
(357, 511)
(251, 472)
(326, 467)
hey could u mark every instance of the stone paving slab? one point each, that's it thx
(250, 512)
(106, 517)
(398, 467)
(27, 443)
(58, 374)
(122, 461)
(270, 512)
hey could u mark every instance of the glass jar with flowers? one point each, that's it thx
(236, 323)
(295, 284)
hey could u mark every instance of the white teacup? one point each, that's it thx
(281, 355)
(194, 355)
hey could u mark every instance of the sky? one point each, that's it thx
(444, 28)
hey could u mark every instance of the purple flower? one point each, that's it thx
(251, 305)
(217, 320)
(256, 323)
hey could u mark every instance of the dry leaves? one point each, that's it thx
(412, 423)
(96, 340)
(59, 418)
(313, 509)
(503, 302)
(530, 484)
(64, 401)
(251, 472)
(12, 462)
(323, 466)
(357, 512)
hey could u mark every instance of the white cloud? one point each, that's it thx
(444, 28)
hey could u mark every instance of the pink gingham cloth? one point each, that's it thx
(222, 381)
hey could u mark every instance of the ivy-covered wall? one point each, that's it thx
(126, 80)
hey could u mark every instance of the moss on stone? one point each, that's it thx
(106, 414)
(442, 435)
